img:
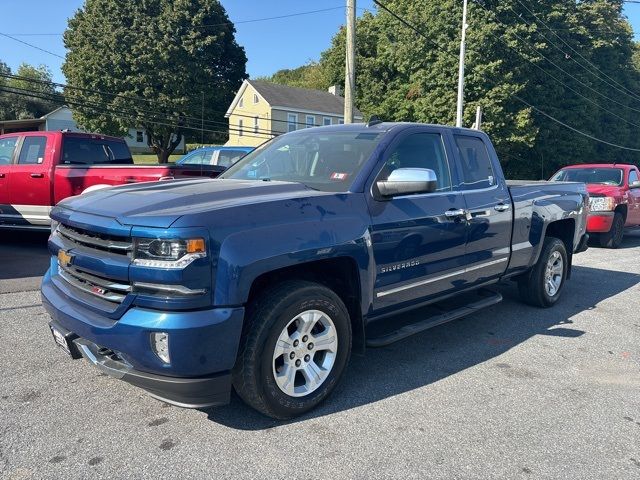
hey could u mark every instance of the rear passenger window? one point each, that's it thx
(32, 151)
(633, 176)
(420, 150)
(7, 148)
(477, 170)
(90, 151)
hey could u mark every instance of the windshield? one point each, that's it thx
(197, 157)
(326, 161)
(593, 176)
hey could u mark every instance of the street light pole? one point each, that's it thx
(350, 70)
(461, 66)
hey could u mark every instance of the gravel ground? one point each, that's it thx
(512, 392)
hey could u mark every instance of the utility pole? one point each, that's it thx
(461, 68)
(202, 121)
(350, 70)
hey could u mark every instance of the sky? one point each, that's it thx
(270, 45)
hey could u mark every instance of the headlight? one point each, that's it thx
(167, 253)
(602, 204)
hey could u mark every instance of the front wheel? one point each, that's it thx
(295, 348)
(542, 286)
(613, 238)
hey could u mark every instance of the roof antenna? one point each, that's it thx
(374, 120)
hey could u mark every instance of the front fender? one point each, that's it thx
(246, 255)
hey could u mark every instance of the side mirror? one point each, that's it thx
(405, 181)
(635, 184)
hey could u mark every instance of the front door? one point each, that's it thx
(489, 205)
(7, 151)
(419, 251)
(30, 189)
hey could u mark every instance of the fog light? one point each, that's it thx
(160, 345)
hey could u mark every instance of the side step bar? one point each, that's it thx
(487, 299)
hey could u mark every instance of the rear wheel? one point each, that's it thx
(542, 286)
(613, 238)
(294, 350)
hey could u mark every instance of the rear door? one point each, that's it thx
(419, 251)
(489, 207)
(633, 213)
(30, 184)
(7, 153)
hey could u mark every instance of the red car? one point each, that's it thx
(614, 192)
(39, 169)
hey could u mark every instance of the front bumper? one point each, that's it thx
(203, 346)
(599, 222)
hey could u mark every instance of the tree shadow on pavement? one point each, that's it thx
(448, 349)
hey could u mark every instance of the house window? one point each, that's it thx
(292, 122)
(341, 122)
(139, 137)
(255, 98)
(241, 103)
(310, 121)
(255, 124)
(326, 121)
(239, 128)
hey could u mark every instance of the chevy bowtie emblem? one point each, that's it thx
(64, 258)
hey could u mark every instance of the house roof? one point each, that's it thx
(294, 98)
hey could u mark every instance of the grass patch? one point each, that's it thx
(151, 159)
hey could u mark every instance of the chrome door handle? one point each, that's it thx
(455, 213)
(502, 207)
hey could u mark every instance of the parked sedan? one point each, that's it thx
(222, 156)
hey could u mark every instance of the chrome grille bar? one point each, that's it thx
(96, 286)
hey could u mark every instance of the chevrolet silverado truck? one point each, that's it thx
(614, 198)
(39, 169)
(321, 241)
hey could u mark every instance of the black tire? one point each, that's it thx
(267, 317)
(532, 286)
(613, 238)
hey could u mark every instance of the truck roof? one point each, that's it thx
(61, 133)
(624, 166)
(383, 127)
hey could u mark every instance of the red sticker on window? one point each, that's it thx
(339, 176)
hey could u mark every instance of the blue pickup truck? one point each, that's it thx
(323, 241)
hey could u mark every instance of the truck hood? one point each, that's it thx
(160, 204)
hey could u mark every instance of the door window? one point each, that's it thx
(7, 149)
(633, 177)
(32, 151)
(477, 170)
(420, 150)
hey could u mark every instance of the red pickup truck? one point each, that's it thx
(614, 193)
(39, 169)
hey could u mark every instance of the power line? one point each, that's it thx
(516, 97)
(127, 115)
(31, 45)
(629, 92)
(133, 97)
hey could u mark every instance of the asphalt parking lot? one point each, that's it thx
(512, 392)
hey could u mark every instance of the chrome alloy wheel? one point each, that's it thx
(553, 274)
(305, 353)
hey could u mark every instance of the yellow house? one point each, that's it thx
(262, 110)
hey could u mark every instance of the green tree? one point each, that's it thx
(30, 96)
(311, 75)
(514, 48)
(152, 64)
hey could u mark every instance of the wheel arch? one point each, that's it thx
(340, 274)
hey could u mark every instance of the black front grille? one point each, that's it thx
(106, 243)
